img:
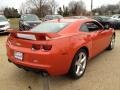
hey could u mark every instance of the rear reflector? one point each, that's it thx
(26, 36)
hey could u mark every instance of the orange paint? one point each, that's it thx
(56, 54)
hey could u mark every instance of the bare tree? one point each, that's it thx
(77, 7)
(60, 11)
(2, 10)
(40, 7)
(24, 8)
(107, 10)
(53, 6)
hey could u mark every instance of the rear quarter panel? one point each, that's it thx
(62, 46)
(78, 41)
(68, 47)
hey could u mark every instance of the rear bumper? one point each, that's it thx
(29, 68)
(54, 63)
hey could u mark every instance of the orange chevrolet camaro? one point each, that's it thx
(59, 47)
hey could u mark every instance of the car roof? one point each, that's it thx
(100, 16)
(54, 15)
(27, 14)
(116, 15)
(72, 20)
(79, 16)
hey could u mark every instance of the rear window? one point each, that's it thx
(49, 27)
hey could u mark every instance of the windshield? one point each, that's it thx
(2, 18)
(30, 18)
(49, 27)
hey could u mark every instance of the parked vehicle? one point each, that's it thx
(4, 24)
(78, 17)
(51, 17)
(59, 47)
(28, 21)
(104, 20)
(115, 21)
(117, 17)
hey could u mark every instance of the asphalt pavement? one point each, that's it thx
(103, 73)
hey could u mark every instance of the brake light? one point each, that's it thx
(46, 47)
(36, 47)
(41, 47)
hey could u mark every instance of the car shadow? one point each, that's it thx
(4, 34)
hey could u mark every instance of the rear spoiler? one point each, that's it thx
(32, 35)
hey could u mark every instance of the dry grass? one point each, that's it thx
(14, 22)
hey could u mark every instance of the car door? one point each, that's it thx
(98, 37)
(106, 34)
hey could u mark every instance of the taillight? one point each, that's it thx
(46, 47)
(41, 47)
(36, 47)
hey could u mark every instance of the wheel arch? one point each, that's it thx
(86, 49)
(81, 48)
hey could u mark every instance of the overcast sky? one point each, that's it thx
(17, 3)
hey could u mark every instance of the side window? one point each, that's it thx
(93, 26)
(84, 28)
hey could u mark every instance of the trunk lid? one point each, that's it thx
(31, 39)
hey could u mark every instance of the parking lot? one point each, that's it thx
(103, 73)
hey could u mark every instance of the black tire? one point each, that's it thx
(112, 43)
(73, 72)
(21, 28)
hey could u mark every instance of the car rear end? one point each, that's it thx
(39, 51)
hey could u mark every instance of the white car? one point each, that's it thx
(4, 24)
